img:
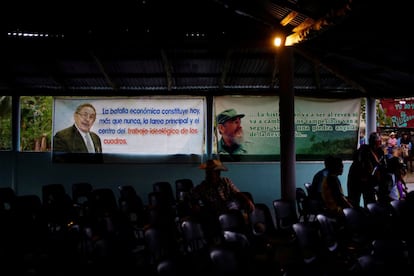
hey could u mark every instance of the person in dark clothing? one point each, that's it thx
(332, 192)
(216, 195)
(318, 178)
(78, 137)
(365, 173)
(77, 143)
(393, 186)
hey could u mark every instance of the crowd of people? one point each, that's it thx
(377, 174)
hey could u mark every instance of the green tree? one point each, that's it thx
(5, 122)
(382, 119)
(35, 123)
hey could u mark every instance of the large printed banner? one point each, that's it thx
(401, 113)
(323, 126)
(141, 126)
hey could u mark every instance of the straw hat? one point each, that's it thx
(213, 164)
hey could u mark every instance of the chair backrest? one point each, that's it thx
(160, 200)
(81, 192)
(57, 204)
(160, 243)
(193, 236)
(53, 194)
(164, 187)
(232, 220)
(103, 202)
(401, 208)
(309, 241)
(7, 198)
(358, 227)
(382, 219)
(403, 211)
(183, 188)
(285, 214)
(28, 217)
(132, 206)
(328, 231)
(261, 220)
(390, 250)
(308, 188)
(129, 200)
(29, 224)
(234, 228)
(302, 204)
(225, 262)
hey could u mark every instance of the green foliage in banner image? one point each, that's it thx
(35, 123)
(343, 143)
(5, 123)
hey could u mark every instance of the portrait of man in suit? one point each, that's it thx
(78, 138)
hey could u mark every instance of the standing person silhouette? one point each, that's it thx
(78, 138)
(366, 171)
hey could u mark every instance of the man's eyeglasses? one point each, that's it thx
(87, 115)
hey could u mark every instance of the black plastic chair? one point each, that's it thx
(329, 232)
(183, 188)
(225, 262)
(261, 221)
(387, 257)
(81, 192)
(133, 213)
(164, 187)
(7, 231)
(308, 188)
(7, 198)
(130, 203)
(234, 229)
(264, 236)
(193, 236)
(285, 217)
(357, 231)
(195, 247)
(382, 218)
(31, 232)
(57, 205)
(302, 205)
(103, 202)
(309, 242)
(163, 255)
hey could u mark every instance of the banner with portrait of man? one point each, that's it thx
(247, 128)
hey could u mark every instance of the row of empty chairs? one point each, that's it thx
(375, 240)
(98, 230)
(86, 225)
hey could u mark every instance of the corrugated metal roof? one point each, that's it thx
(202, 46)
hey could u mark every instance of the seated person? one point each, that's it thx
(219, 193)
(216, 195)
(332, 193)
(316, 188)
